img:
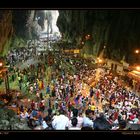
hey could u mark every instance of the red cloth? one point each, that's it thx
(41, 104)
(131, 117)
(116, 115)
(97, 94)
(42, 85)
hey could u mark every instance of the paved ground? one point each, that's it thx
(86, 88)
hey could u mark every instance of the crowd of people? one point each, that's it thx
(69, 105)
(87, 99)
(22, 54)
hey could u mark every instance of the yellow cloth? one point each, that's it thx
(92, 107)
(40, 83)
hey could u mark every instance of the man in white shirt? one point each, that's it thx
(60, 122)
(80, 120)
(87, 122)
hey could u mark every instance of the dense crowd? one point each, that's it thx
(22, 54)
(88, 99)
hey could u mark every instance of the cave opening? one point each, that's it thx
(47, 19)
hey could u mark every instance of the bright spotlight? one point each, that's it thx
(138, 68)
(1, 64)
(100, 60)
(137, 51)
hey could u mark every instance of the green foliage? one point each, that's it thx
(13, 42)
(18, 42)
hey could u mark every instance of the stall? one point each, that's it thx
(135, 75)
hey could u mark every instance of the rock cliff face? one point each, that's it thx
(118, 30)
(6, 28)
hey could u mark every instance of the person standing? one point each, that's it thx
(87, 121)
(61, 122)
(91, 92)
(74, 126)
(48, 90)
